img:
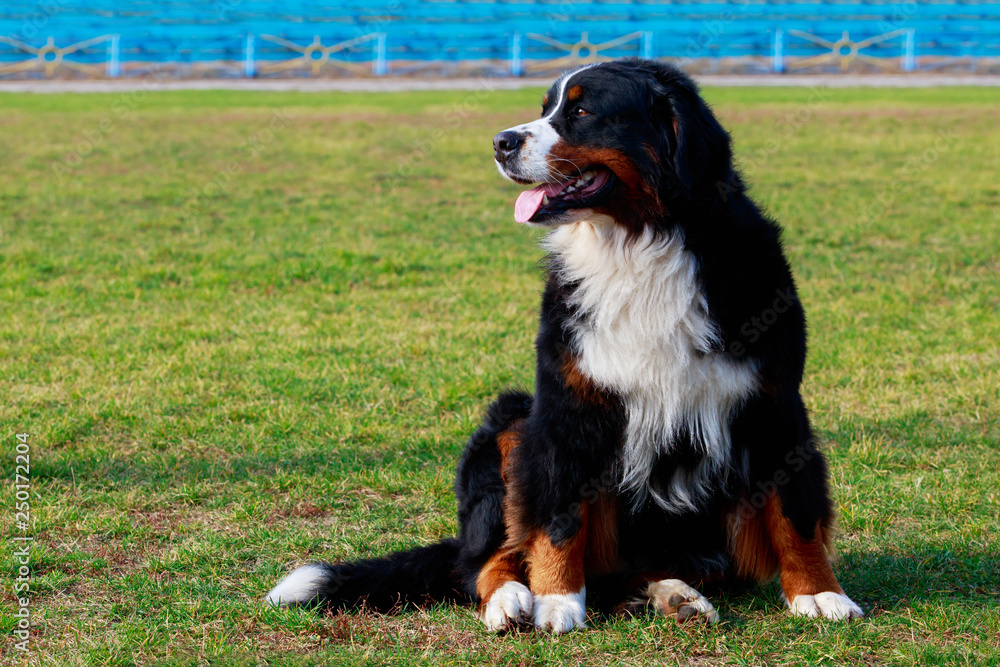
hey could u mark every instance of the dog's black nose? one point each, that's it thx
(506, 144)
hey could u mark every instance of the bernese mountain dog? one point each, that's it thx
(666, 446)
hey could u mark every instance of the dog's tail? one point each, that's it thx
(420, 575)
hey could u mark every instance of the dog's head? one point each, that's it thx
(629, 139)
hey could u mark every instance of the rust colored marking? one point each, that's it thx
(653, 155)
(634, 203)
(805, 567)
(582, 386)
(504, 566)
(506, 442)
(563, 154)
(574, 93)
(513, 500)
(545, 99)
(602, 536)
(677, 129)
(750, 545)
(769, 388)
(557, 569)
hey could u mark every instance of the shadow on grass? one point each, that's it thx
(921, 573)
(884, 583)
(916, 570)
(164, 470)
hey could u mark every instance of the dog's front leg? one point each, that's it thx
(556, 576)
(807, 580)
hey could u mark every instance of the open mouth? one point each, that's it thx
(548, 200)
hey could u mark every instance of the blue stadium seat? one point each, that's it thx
(522, 37)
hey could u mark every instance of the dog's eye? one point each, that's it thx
(580, 111)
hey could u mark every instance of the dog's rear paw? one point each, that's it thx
(830, 605)
(561, 613)
(510, 605)
(674, 598)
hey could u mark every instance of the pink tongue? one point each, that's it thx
(527, 203)
(530, 201)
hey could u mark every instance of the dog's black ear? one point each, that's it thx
(697, 144)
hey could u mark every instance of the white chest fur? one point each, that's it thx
(643, 331)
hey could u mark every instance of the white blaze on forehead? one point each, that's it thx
(560, 85)
(541, 136)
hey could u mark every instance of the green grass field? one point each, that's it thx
(245, 330)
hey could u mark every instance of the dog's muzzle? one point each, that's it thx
(506, 145)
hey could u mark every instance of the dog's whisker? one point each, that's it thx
(571, 162)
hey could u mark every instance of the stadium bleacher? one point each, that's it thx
(250, 38)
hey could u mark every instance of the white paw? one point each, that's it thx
(675, 598)
(509, 605)
(561, 613)
(830, 605)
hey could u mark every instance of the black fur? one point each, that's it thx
(480, 491)
(417, 576)
(652, 114)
